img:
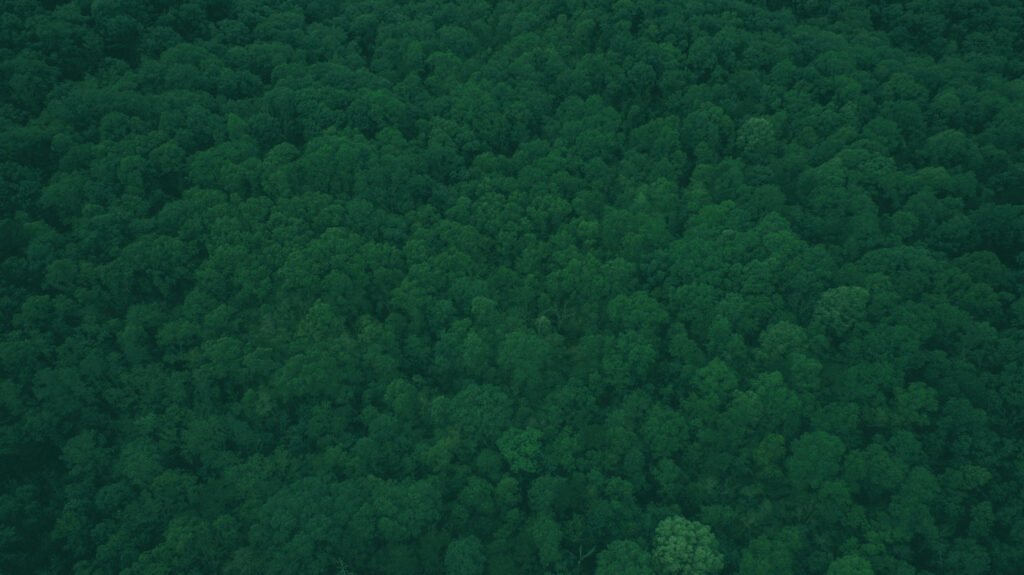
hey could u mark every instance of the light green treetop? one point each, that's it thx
(686, 547)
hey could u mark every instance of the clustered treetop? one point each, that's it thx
(486, 287)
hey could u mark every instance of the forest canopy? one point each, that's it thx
(612, 287)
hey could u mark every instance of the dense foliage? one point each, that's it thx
(466, 288)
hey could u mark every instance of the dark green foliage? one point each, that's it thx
(465, 556)
(624, 558)
(486, 288)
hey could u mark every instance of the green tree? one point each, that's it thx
(815, 458)
(480, 412)
(547, 537)
(686, 547)
(465, 556)
(850, 565)
(624, 558)
(770, 555)
(521, 449)
(840, 308)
